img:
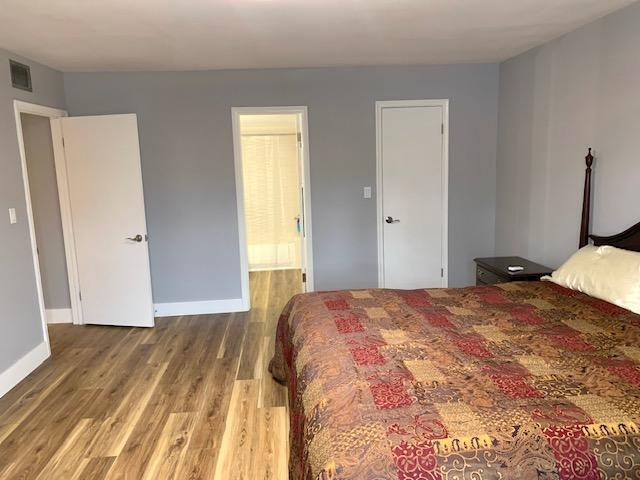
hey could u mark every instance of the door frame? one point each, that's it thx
(307, 253)
(444, 104)
(19, 108)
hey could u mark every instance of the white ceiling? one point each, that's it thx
(215, 34)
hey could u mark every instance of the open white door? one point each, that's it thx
(301, 220)
(102, 157)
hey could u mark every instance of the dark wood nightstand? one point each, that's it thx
(494, 270)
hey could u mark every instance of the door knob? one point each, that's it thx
(391, 220)
(137, 238)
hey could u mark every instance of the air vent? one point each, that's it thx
(20, 76)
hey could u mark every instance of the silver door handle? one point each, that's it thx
(391, 220)
(137, 238)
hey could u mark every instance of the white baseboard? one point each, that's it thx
(200, 308)
(59, 315)
(23, 367)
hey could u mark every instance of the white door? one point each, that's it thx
(102, 157)
(302, 223)
(412, 194)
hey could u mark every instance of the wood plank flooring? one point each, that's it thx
(188, 399)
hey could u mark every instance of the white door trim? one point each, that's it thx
(20, 107)
(67, 222)
(63, 196)
(444, 103)
(306, 193)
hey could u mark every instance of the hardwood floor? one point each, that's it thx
(188, 399)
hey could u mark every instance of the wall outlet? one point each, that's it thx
(12, 216)
(366, 192)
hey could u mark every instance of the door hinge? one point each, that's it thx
(80, 295)
(299, 136)
(304, 278)
(63, 142)
(442, 128)
(442, 272)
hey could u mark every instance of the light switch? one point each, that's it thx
(12, 216)
(366, 192)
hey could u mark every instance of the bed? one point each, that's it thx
(524, 380)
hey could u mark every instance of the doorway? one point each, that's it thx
(412, 180)
(271, 158)
(95, 164)
(47, 221)
(44, 216)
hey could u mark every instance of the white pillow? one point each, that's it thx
(607, 273)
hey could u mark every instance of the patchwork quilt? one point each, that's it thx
(515, 381)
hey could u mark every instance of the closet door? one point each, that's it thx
(411, 174)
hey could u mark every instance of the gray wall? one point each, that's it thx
(45, 205)
(577, 91)
(20, 327)
(188, 174)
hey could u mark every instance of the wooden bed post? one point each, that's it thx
(586, 202)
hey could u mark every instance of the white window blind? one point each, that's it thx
(271, 198)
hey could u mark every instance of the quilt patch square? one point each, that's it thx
(491, 333)
(349, 323)
(570, 341)
(571, 450)
(626, 370)
(337, 304)
(558, 386)
(528, 316)
(599, 409)
(515, 386)
(510, 287)
(394, 337)
(437, 293)
(505, 419)
(303, 357)
(390, 395)
(631, 352)
(416, 461)
(359, 436)
(424, 371)
(606, 307)
(473, 347)
(437, 319)
(376, 312)
(582, 326)
(312, 395)
(367, 355)
(536, 365)
(495, 297)
(539, 303)
(416, 299)
(360, 294)
(459, 311)
(459, 419)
